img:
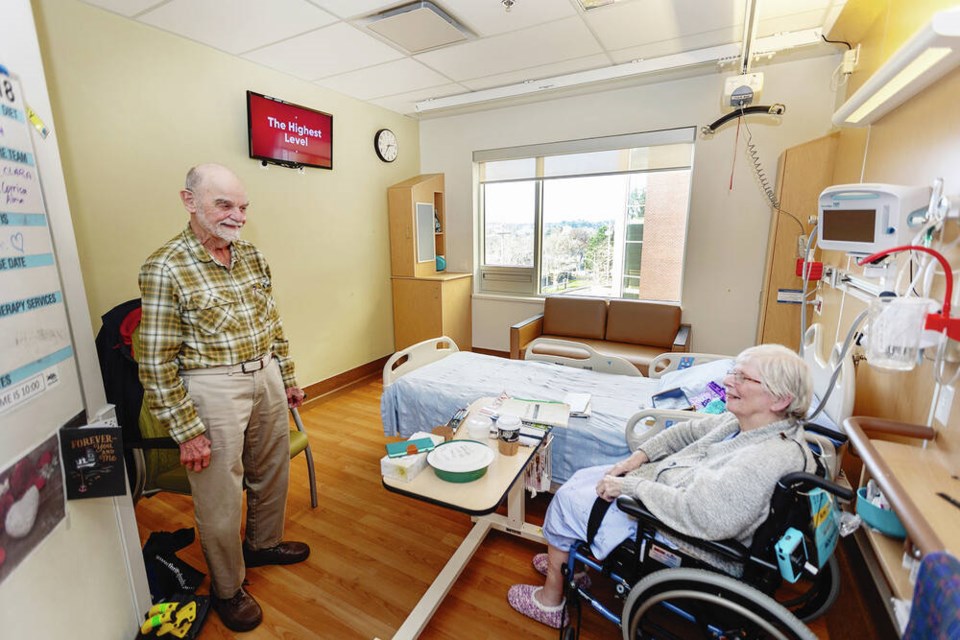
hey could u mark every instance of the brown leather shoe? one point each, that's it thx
(283, 553)
(239, 613)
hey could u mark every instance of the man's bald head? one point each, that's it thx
(217, 202)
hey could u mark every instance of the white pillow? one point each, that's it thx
(694, 380)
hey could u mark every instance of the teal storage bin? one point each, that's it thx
(883, 520)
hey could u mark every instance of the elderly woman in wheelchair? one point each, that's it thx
(711, 478)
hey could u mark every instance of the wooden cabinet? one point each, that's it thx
(417, 225)
(803, 172)
(431, 307)
(426, 303)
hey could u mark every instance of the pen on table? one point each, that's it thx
(949, 499)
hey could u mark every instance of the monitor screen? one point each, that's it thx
(848, 225)
(288, 134)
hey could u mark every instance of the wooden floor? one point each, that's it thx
(375, 553)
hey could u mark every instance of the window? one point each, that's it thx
(601, 217)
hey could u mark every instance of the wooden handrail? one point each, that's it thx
(857, 429)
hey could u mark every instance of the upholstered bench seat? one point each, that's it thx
(631, 329)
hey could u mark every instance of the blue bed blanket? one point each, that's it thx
(429, 396)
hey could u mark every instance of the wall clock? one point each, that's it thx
(385, 143)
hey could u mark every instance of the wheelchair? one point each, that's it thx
(669, 585)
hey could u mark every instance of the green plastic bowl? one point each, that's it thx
(460, 460)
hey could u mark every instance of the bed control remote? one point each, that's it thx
(457, 419)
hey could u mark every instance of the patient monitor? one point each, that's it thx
(869, 218)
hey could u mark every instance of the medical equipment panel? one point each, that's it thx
(868, 218)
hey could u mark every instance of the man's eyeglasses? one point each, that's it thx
(739, 378)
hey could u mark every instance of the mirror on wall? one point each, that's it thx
(426, 249)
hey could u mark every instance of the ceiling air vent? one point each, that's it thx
(418, 26)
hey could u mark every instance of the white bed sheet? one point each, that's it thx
(428, 396)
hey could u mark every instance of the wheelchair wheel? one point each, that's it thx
(820, 596)
(695, 603)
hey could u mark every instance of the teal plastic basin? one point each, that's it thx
(883, 520)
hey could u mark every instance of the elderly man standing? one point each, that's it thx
(216, 371)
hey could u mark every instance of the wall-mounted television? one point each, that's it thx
(288, 134)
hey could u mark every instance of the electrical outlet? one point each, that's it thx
(818, 305)
(107, 414)
(850, 59)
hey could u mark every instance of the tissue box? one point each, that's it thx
(407, 468)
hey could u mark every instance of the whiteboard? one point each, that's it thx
(36, 351)
(39, 383)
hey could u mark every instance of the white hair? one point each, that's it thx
(784, 374)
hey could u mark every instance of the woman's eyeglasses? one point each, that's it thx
(739, 378)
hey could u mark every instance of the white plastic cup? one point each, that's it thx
(478, 427)
(894, 328)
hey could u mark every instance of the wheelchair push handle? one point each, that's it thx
(802, 481)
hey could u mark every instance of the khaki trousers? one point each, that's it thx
(246, 419)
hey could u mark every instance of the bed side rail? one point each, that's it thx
(672, 360)
(581, 356)
(647, 423)
(416, 356)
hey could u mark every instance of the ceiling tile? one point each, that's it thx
(552, 42)
(538, 73)
(776, 8)
(792, 22)
(127, 8)
(677, 45)
(632, 24)
(325, 52)
(354, 8)
(240, 26)
(488, 17)
(391, 78)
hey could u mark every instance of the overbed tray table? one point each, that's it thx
(479, 498)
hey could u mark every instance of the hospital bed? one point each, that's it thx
(425, 384)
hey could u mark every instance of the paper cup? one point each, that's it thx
(508, 448)
(508, 428)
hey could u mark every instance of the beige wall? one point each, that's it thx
(727, 235)
(137, 106)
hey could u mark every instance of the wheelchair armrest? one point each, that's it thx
(732, 549)
(826, 432)
(803, 481)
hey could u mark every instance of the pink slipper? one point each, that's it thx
(540, 564)
(522, 598)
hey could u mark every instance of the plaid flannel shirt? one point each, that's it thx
(197, 314)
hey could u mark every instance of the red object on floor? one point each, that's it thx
(815, 269)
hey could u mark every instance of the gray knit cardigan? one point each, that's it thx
(704, 483)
